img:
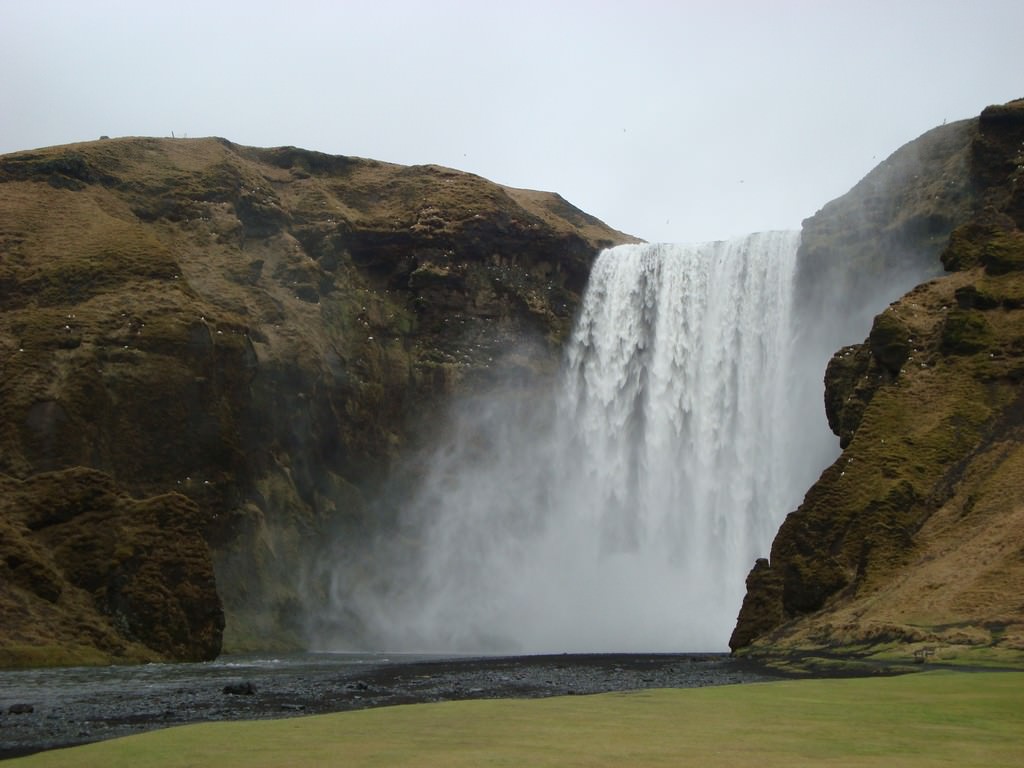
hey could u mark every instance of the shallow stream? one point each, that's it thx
(77, 705)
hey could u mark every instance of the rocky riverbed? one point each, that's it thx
(44, 709)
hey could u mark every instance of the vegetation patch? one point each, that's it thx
(964, 333)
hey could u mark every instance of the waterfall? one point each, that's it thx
(623, 513)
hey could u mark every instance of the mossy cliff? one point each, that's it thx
(914, 538)
(91, 574)
(212, 354)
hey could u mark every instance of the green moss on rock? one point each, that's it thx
(965, 332)
(1004, 252)
(890, 342)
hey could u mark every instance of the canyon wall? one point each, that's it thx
(218, 352)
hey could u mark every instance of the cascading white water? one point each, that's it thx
(676, 400)
(624, 514)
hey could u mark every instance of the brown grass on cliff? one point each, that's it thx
(260, 330)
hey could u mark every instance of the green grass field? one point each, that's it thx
(932, 719)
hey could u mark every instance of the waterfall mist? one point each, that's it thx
(622, 510)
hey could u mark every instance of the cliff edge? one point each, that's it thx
(913, 540)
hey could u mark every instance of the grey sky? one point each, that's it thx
(682, 121)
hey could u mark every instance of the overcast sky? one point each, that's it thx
(683, 121)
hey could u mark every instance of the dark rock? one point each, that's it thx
(240, 689)
(848, 390)
(972, 297)
(889, 342)
(20, 709)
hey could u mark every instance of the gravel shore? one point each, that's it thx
(48, 709)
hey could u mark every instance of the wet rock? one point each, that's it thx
(20, 709)
(240, 689)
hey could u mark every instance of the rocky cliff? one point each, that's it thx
(212, 354)
(913, 540)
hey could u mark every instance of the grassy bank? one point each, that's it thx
(932, 719)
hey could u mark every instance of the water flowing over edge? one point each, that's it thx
(623, 511)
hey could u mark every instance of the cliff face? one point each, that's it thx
(914, 537)
(887, 232)
(238, 343)
(91, 574)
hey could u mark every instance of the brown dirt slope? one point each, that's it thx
(914, 538)
(246, 338)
